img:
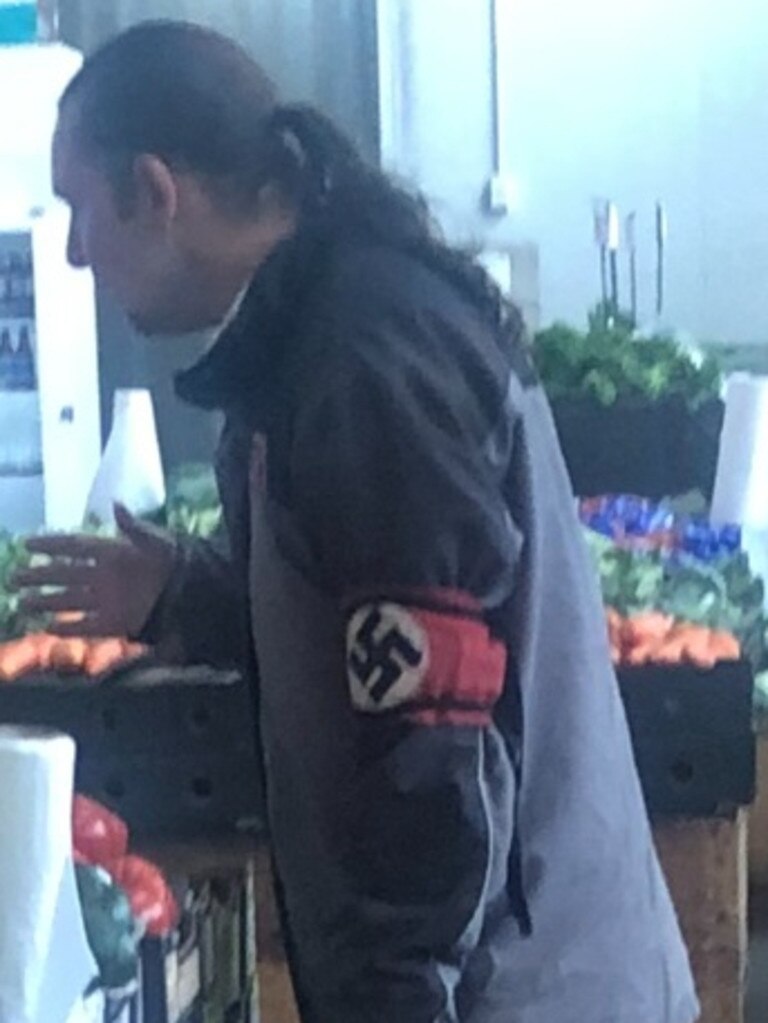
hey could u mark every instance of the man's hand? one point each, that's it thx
(108, 586)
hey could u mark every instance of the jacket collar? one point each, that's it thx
(240, 370)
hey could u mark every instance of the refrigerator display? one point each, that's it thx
(50, 435)
(49, 406)
(21, 453)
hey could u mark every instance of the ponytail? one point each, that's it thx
(350, 198)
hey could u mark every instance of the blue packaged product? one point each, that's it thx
(730, 538)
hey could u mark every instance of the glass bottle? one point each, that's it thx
(7, 360)
(25, 362)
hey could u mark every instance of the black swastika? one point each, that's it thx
(378, 663)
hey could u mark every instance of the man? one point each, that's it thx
(452, 803)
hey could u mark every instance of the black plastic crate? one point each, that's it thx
(693, 736)
(173, 751)
(175, 795)
(206, 970)
(151, 711)
(653, 449)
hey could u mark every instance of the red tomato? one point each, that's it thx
(150, 897)
(98, 835)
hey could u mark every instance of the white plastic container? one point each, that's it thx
(741, 484)
(131, 469)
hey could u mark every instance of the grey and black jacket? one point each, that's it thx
(453, 807)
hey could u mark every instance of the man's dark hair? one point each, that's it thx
(197, 100)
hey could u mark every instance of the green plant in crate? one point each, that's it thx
(112, 931)
(630, 582)
(607, 363)
(722, 594)
(13, 556)
(761, 703)
(193, 506)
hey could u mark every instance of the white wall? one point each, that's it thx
(31, 81)
(435, 95)
(639, 100)
(436, 114)
(636, 100)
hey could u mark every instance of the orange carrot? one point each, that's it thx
(18, 657)
(641, 653)
(697, 647)
(133, 650)
(724, 646)
(671, 651)
(68, 655)
(656, 638)
(651, 626)
(615, 622)
(103, 655)
(45, 644)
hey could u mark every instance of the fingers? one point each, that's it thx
(78, 599)
(143, 534)
(63, 574)
(74, 547)
(126, 522)
(85, 627)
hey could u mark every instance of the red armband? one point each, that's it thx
(429, 665)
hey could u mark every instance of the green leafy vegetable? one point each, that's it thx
(193, 505)
(630, 583)
(723, 594)
(607, 363)
(13, 556)
(113, 933)
(761, 702)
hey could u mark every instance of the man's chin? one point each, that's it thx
(143, 327)
(160, 327)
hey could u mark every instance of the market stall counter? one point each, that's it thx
(167, 783)
(171, 751)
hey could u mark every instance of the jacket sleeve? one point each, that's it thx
(201, 617)
(397, 476)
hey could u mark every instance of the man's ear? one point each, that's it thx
(156, 191)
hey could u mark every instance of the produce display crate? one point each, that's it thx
(654, 449)
(693, 737)
(705, 864)
(205, 972)
(758, 824)
(171, 750)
